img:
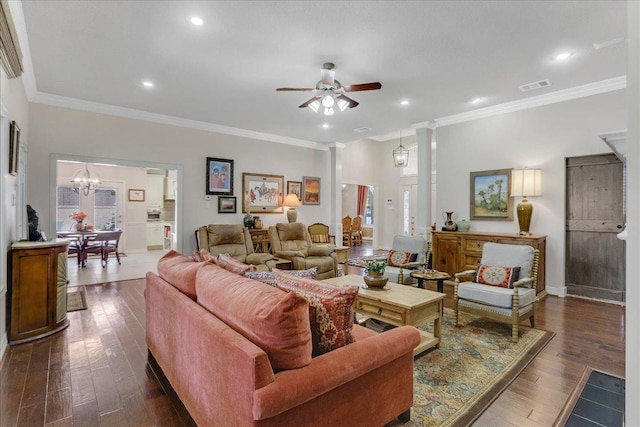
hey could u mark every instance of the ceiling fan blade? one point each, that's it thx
(352, 103)
(363, 86)
(306, 104)
(296, 89)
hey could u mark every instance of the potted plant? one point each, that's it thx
(375, 270)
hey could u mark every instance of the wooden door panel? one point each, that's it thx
(594, 216)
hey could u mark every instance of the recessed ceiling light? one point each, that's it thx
(196, 21)
(476, 100)
(563, 56)
(325, 125)
(404, 102)
(147, 83)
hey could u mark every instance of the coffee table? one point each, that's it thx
(399, 305)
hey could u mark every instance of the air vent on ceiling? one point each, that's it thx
(534, 85)
(362, 129)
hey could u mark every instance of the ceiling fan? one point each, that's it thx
(329, 92)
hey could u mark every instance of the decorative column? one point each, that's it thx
(423, 214)
(335, 227)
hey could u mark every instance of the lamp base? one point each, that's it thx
(292, 215)
(524, 211)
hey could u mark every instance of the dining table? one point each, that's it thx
(79, 240)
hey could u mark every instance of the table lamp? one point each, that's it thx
(525, 183)
(291, 201)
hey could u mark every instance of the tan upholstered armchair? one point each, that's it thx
(292, 241)
(234, 240)
(511, 304)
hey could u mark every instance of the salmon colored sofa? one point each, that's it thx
(224, 378)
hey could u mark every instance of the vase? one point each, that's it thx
(247, 221)
(257, 223)
(79, 226)
(449, 225)
(464, 225)
(375, 279)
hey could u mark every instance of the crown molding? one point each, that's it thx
(394, 135)
(595, 88)
(130, 113)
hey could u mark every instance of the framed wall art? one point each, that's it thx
(295, 187)
(226, 204)
(490, 197)
(311, 190)
(262, 193)
(136, 195)
(219, 176)
(14, 147)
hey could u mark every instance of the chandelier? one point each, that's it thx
(84, 183)
(400, 155)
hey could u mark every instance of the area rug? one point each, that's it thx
(476, 361)
(76, 301)
(361, 261)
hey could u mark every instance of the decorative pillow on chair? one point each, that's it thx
(330, 310)
(397, 258)
(269, 278)
(231, 264)
(503, 277)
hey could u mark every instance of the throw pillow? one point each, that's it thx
(269, 278)
(330, 310)
(397, 258)
(179, 270)
(203, 255)
(231, 264)
(503, 277)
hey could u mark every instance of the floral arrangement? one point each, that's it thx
(78, 216)
(378, 266)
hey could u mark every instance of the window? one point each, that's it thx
(105, 208)
(412, 165)
(67, 202)
(368, 211)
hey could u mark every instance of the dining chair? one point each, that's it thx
(102, 244)
(346, 230)
(356, 230)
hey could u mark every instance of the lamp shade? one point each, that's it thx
(291, 201)
(526, 182)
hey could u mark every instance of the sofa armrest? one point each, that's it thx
(294, 387)
(257, 259)
(290, 254)
(320, 250)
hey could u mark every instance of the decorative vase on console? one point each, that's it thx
(464, 225)
(247, 221)
(449, 225)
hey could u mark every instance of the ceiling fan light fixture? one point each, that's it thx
(329, 111)
(314, 106)
(328, 101)
(342, 104)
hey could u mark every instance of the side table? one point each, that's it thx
(342, 252)
(283, 264)
(260, 240)
(438, 276)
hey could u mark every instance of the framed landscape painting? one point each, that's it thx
(262, 193)
(311, 190)
(226, 204)
(490, 197)
(219, 176)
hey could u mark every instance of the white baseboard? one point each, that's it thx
(4, 344)
(560, 291)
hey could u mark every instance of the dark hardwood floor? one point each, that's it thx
(96, 373)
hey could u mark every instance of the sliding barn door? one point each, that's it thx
(595, 258)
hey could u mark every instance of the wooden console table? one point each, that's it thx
(455, 251)
(260, 240)
(37, 289)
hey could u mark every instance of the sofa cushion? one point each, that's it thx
(397, 258)
(503, 277)
(180, 271)
(231, 264)
(494, 295)
(276, 321)
(269, 278)
(330, 310)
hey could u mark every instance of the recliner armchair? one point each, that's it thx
(511, 304)
(293, 242)
(235, 240)
(419, 253)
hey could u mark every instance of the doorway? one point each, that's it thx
(359, 200)
(595, 257)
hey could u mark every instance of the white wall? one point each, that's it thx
(66, 131)
(540, 137)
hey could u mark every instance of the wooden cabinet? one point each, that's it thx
(454, 252)
(37, 289)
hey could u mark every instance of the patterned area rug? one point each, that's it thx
(362, 261)
(454, 384)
